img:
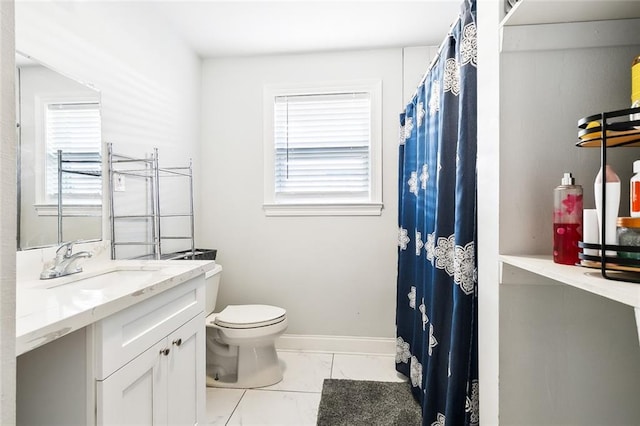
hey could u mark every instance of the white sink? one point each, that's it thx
(104, 278)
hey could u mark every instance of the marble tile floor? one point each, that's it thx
(295, 400)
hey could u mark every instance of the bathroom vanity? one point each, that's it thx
(121, 343)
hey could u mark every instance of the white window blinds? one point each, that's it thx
(74, 129)
(322, 147)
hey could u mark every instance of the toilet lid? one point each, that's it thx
(249, 316)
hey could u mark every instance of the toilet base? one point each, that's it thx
(257, 367)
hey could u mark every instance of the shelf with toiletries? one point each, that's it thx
(558, 62)
(616, 260)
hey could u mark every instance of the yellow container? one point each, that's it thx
(635, 82)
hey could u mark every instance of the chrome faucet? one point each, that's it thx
(65, 262)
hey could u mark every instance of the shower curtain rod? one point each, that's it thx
(435, 58)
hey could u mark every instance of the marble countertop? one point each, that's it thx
(49, 309)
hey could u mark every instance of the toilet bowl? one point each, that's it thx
(241, 341)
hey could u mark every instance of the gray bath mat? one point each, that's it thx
(366, 403)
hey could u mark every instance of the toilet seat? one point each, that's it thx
(249, 316)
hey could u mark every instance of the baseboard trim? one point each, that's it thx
(339, 344)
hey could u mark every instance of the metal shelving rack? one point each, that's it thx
(610, 130)
(153, 174)
(62, 161)
(178, 172)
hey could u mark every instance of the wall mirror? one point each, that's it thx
(59, 157)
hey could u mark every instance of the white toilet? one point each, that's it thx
(241, 349)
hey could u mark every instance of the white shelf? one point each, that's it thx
(572, 35)
(534, 12)
(583, 278)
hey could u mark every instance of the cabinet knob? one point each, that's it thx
(177, 342)
(164, 351)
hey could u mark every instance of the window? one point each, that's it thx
(72, 127)
(323, 153)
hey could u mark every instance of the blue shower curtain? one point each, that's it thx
(437, 303)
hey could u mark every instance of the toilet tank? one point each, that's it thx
(211, 284)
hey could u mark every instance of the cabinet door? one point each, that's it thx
(186, 375)
(136, 393)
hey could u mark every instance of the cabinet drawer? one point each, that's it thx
(126, 334)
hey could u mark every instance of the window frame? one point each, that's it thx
(372, 207)
(45, 205)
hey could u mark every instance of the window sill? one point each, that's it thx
(327, 209)
(79, 210)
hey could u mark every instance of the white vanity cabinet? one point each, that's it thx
(144, 364)
(160, 385)
(150, 360)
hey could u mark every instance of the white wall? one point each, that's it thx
(149, 79)
(572, 75)
(334, 275)
(416, 60)
(7, 216)
(567, 357)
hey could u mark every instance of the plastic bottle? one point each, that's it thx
(634, 191)
(635, 87)
(590, 230)
(635, 82)
(567, 221)
(610, 209)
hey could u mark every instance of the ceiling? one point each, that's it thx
(216, 28)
